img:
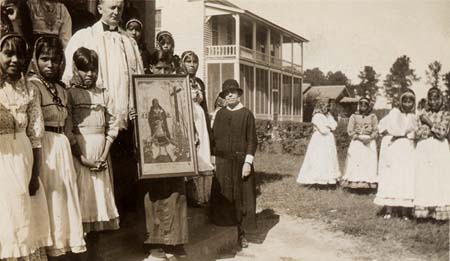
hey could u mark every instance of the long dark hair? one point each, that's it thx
(85, 59)
(48, 44)
(16, 44)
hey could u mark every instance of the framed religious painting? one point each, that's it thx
(164, 127)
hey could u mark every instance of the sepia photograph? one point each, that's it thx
(229, 130)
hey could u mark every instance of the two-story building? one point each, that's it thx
(232, 42)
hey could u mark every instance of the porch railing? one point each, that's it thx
(246, 52)
(287, 65)
(221, 50)
(230, 51)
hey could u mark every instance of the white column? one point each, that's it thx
(292, 96)
(281, 49)
(280, 98)
(301, 45)
(292, 53)
(254, 90)
(269, 94)
(254, 40)
(238, 43)
(268, 46)
(301, 97)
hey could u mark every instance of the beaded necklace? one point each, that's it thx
(51, 88)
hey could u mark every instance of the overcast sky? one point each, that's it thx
(348, 34)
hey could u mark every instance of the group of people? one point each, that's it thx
(66, 137)
(410, 171)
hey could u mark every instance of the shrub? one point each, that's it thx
(293, 137)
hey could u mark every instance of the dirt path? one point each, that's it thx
(287, 238)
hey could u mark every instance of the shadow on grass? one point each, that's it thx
(263, 178)
(361, 191)
(266, 178)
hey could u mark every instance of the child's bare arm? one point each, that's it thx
(106, 150)
(425, 120)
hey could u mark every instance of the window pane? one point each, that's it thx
(275, 82)
(258, 91)
(248, 85)
(214, 84)
(287, 95)
(297, 96)
(158, 20)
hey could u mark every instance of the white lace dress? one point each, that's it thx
(321, 165)
(24, 219)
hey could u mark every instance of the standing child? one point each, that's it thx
(165, 198)
(321, 165)
(57, 171)
(94, 129)
(135, 29)
(432, 190)
(24, 221)
(166, 44)
(361, 167)
(199, 187)
(396, 168)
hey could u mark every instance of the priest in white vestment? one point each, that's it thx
(119, 57)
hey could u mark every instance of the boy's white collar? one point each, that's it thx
(237, 107)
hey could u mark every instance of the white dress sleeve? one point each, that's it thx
(321, 124)
(332, 124)
(396, 123)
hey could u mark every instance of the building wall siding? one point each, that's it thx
(186, 26)
(207, 40)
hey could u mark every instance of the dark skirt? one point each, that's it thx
(166, 211)
(124, 168)
(233, 199)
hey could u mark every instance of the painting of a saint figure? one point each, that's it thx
(164, 126)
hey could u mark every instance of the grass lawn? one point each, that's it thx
(348, 212)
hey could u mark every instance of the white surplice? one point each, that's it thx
(119, 59)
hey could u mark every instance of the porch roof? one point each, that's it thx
(228, 6)
(328, 91)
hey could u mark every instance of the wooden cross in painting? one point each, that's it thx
(175, 91)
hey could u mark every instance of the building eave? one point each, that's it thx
(224, 8)
(285, 31)
(236, 10)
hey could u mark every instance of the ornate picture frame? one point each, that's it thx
(164, 126)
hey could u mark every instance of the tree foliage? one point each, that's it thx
(446, 79)
(337, 78)
(433, 74)
(316, 77)
(400, 77)
(369, 80)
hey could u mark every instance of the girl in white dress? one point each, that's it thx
(321, 165)
(24, 220)
(57, 171)
(199, 188)
(361, 166)
(432, 190)
(396, 168)
(94, 130)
